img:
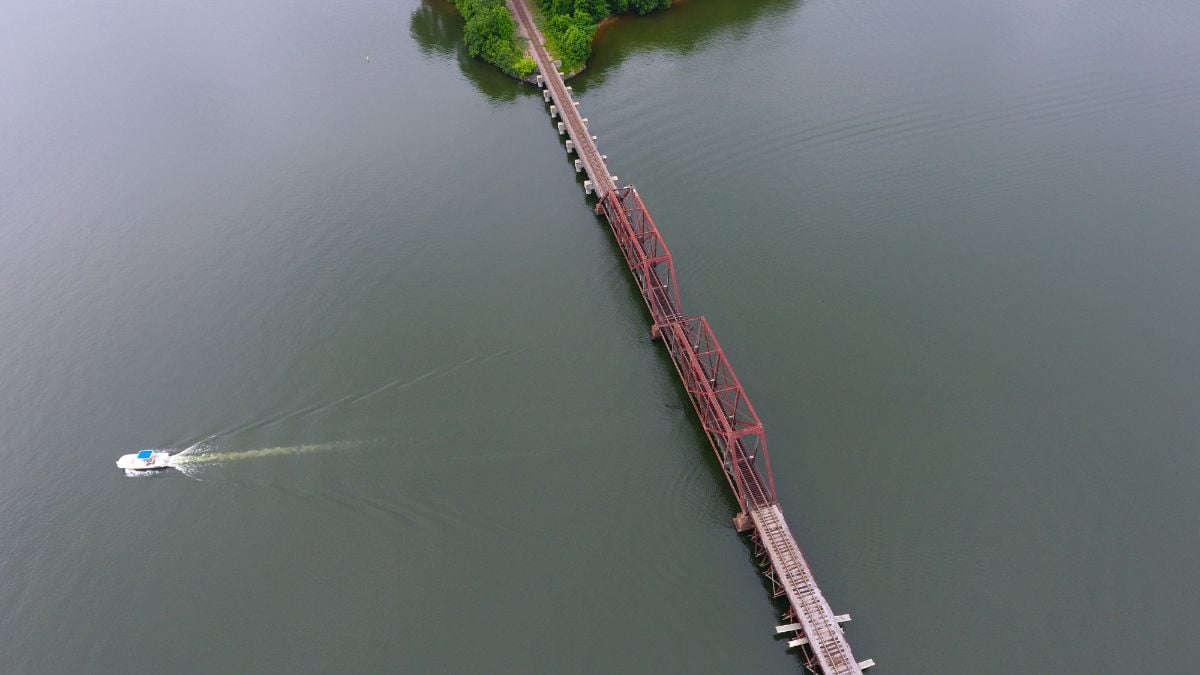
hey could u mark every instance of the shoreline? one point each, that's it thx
(605, 24)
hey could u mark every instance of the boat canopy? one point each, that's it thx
(145, 454)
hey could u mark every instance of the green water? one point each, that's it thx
(949, 246)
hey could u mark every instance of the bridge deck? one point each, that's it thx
(729, 420)
(813, 613)
(581, 138)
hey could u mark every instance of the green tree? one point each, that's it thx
(525, 67)
(647, 6)
(569, 26)
(489, 33)
(575, 46)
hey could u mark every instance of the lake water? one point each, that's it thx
(949, 245)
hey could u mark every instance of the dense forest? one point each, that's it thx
(567, 24)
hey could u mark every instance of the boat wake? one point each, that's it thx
(192, 458)
(206, 453)
(203, 454)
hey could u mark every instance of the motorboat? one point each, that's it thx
(145, 460)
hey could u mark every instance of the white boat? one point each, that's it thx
(146, 460)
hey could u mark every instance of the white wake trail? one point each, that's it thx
(184, 459)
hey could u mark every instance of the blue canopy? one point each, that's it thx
(145, 454)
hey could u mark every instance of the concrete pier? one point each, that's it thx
(571, 124)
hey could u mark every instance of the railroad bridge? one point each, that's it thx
(732, 426)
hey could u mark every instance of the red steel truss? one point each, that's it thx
(729, 420)
(645, 252)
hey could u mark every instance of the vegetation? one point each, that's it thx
(570, 24)
(567, 24)
(525, 67)
(490, 34)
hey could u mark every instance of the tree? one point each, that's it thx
(525, 67)
(487, 29)
(489, 33)
(647, 6)
(569, 26)
(575, 46)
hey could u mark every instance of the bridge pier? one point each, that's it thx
(578, 165)
(742, 522)
(553, 112)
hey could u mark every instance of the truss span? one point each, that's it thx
(733, 428)
(728, 418)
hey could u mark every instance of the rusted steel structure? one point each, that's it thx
(729, 420)
(734, 431)
(725, 412)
